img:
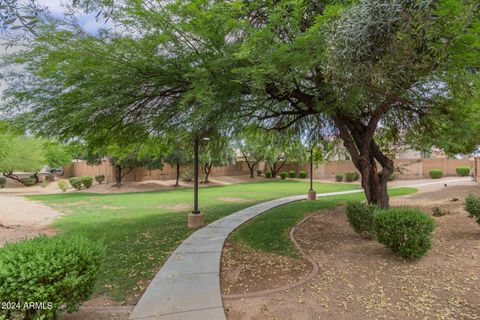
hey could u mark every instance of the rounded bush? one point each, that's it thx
(436, 173)
(87, 181)
(292, 174)
(360, 217)
(303, 174)
(100, 178)
(392, 177)
(60, 272)
(472, 206)
(463, 171)
(76, 183)
(63, 185)
(50, 177)
(259, 172)
(3, 182)
(268, 174)
(28, 181)
(339, 177)
(283, 175)
(405, 231)
(351, 176)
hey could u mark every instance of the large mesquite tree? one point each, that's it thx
(345, 69)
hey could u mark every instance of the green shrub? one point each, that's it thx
(392, 177)
(292, 174)
(59, 270)
(63, 185)
(438, 212)
(463, 171)
(339, 177)
(50, 177)
(100, 178)
(188, 175)
(351, 176)
(436, 173)
(303, 174)
(406, 231)
(283, 175)
(259, 172)
(87, 181)
(472, 206)
(268, 174)
(360, 217)
(76, 183)
(3, 182)
(28, 181)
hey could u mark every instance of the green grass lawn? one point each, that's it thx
(270, 231)
(140, 230)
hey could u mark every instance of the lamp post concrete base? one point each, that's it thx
(196, 220)
(312, 195)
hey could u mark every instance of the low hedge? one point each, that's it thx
(63, 185)
(360, 217)
(406, 231)
(100, 178)
(292, 174)
(463, 171)
(436, 173)
(87, 181)
(472, 206)
(302, 174)
(50, 177)
(339, 177)
(3, 182)
(59, 272)
(76, 183)
(259, 172)
(283, 175)
(268, 174)
(28, 181)
(351, 176)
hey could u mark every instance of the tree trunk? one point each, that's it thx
(365, 153)
(37, 179)
(11, 176)
(206, 169)
(276, 169)
(118, 175)
(178, 175)
(251, 166)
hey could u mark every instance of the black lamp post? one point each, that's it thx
(196, 219)
(312, 195)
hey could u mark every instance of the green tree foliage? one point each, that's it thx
(342, 68)
(218, 152)
(24, 154)
(253, 144)
(178, 152)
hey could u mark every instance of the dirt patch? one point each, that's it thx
(360, 279)
(244, 270)
(236, 200)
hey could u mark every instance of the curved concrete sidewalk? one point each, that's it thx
(188, 285)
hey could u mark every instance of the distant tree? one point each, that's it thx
(177, 153)
(281, 148)
(24, 154)
(253, 145)
(57, 155)
(218, 151)
(125, 158)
